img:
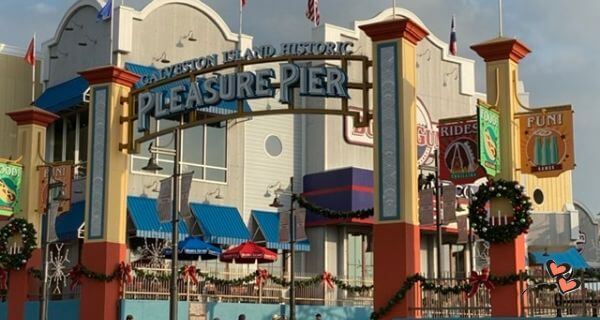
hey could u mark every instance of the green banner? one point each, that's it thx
(10, 188)
(489, 139)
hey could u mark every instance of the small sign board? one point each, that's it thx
(459, 152)
(426, 206)
(62, 174)
(164, 203)
(449, 203)
(488, 121)
(10, 188)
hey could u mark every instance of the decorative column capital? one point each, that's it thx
(109, 74)
(394, 29)
(501, 49)
(32, 115)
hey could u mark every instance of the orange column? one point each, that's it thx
(107, 172)
(31, 145)
(396, 237)
(502, 56)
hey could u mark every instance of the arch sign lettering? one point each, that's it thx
(202, 90)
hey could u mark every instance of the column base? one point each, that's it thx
(21, 284)
(99, 299)
(396, 248)
(506, 259)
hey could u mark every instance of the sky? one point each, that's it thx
(562, 69)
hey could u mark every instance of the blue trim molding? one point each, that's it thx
(98, 161)
(388, 123)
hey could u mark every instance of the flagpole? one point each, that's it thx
(112, 19)
(33, 72)
(394, 8)
(315, 12)
(500, 16)
(241, 21)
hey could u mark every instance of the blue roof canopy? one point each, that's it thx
(193, 247)
(220, 224)
(145, 219)
(63, 96)
(268, 224)
(67, 224)
(570, 256)
(223, 108)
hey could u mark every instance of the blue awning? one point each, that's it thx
(570, 256)
(145, 219)
(63, 96)
(268, 225)
(220, 224)
(223, 108)
(67, 225)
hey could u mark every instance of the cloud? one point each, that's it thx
(44, 8)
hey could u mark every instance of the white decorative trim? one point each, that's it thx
(587, 211)
(200, 6)
(467, 66)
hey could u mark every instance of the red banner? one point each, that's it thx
(459, 160)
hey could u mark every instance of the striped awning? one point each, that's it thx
(220, 224)
(268, 226)
(144, 216)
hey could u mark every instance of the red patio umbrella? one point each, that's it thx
(248, 252)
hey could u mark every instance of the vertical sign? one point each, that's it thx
(164, 203)
(388, 126)
(426, 206)
(61, 174)
(52, 213)
(11, 175)
(488, 121)
(547, 141)
(459, 153)
(98, 164)
(186, 185)
(284, 227)
(300, 217)
(449, 203)
(463, 230)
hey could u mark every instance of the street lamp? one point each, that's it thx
(292, 242)
(152, 166)
(45, 241)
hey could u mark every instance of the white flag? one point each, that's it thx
(164, 203)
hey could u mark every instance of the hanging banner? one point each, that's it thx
(11, 175)
(62, 175)
(449, 203)
(164, 203)
(186, 185)
(488, 122)
(459, 153)
(426, 206)
(52, 214)
(547, 141)
(463, 229)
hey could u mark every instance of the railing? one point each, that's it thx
(550, 303)
(156, 287)
(438, 305)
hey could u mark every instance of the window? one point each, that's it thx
(360, 261)
(273, 146)
(68, 137)
(203, 151)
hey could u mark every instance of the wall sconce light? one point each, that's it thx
(162, 58)
(274, 188)
(70, 27)
(422, 54)
(216, 194)
(59, 54)
(448, 74)
(190, 37)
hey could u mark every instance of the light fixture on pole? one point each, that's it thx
(292, 239)
(152, 166)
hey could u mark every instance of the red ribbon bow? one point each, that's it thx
(327, 279)
(190, 272)
(75, 276)
(476, 280)
(3, 279)
(125, 272)
(261, 276)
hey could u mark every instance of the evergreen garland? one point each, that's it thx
(520, 221)
(27, 233)
(332, 214)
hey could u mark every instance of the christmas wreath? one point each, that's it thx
(27, 232)
(511, 227)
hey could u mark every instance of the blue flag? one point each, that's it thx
(106, 12)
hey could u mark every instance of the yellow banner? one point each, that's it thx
(547, 141)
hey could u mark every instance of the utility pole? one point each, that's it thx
(292, 219)
(438, 219)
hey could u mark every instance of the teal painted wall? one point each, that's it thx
(152, 309)
(230, 311)
(3, 310)
(57, 310)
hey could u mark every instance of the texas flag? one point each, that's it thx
(106, 12)
(243, 2)
(453, 44)
(30, 55)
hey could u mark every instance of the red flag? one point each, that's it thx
(453, 44)
(30, 55)
(243, 2)
(312, 12)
